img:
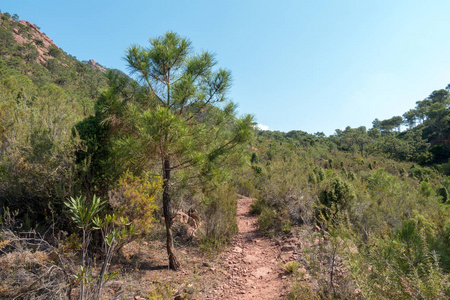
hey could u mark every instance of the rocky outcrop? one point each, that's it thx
(27, 33)
(96, 65)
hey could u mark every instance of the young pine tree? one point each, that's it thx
(179, 124)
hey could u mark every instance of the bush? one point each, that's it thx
(257, 206)
(271, 222)
(135, 199)
(268, 221)
(246, 188)
(312, 179)
(54, 51)
(219, 218)
(443, 194)
(32, 274)
(338, 193)
(291, 267)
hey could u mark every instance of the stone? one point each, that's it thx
(261, 272)
(237, 249)
(288, 248)
(181, 217)
(248, 259)
(192, 222)
(292, 241)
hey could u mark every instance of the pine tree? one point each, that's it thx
(185, 121)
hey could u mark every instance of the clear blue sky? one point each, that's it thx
(297, 65)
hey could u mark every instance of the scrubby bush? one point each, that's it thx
(272, 222)
(443, 194)
(339, 193)
(291, 267)
(219, 217)
(245, 187)
(134, 198)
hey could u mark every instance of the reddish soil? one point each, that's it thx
(252, 264)
(250, 268)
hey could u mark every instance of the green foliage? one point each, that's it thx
(396, 271)
(219, 208)
(291, 267)
(351, 176)
(268, 222)
(254, 159)
(54, 51)
(82, 212)
(245, 187)
(114, 230)
(378, 207)
(59, 137)
(135, 199)
(321, 174)
(272, 222)
(38, 109)
(443, 194)
(426, 189)
(257, 206)
(339, 193)
(312, 178)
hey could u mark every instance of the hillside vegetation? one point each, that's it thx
(93, 161)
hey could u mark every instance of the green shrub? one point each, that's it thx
(443, 194)
(291, 267)
(351, 176)
(54, 51)
(271, 222)
(339, 193)
(39, 42)
(267, 220)
(246, 187)
(301, 291)
(220, 218)
(321, 175)
(344, 172)
(426, 189)
(312, 179)
(254, 159)
(257, 206)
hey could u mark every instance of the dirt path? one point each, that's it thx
(252, 265)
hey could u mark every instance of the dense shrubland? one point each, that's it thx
(83, 154)
(394, 212)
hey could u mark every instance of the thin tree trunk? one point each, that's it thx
(83, 264)
(174, 264)
(109, 253)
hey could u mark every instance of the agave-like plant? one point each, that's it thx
(83, 214)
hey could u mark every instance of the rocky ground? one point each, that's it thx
(253, 264)
(252, 267)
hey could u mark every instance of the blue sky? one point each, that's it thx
(297, 65)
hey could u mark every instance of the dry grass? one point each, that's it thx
(31, 269)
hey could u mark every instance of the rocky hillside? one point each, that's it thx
(26, 33)
(27, 51)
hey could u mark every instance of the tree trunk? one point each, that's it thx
(174, 264)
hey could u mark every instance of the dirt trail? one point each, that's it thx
(252, 265)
